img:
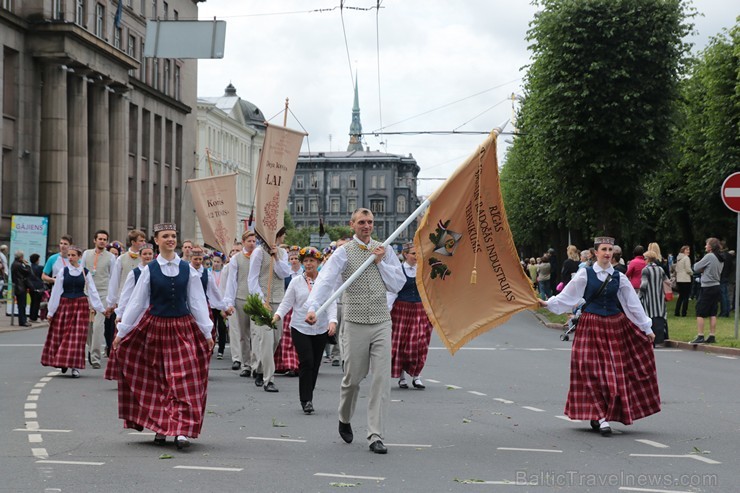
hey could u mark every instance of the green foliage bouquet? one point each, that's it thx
(257, 311)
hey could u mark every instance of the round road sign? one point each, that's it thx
(731, 192)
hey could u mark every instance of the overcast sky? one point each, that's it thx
(435, 65)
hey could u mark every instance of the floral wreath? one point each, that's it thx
(310, 252)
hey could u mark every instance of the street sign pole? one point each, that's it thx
(737, 277)
(730, 193)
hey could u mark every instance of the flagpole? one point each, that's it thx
(496, 131)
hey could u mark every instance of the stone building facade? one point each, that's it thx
(94, 134)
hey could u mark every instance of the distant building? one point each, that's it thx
(232, 131)
(331, 185)
(94, 134)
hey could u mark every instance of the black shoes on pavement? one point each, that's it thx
(378, 447)
(246, 372)
(270, 387)
(345, 431)
(307, 407)
(236, 365)
(259, 379)
(710, 340)
(700, 340)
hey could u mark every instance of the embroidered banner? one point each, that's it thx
(215, 206)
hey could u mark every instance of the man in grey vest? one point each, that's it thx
(268, 267)
(99, 261)
(366, 336)
(237, 290)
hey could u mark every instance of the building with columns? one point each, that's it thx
(94, 134)
(231, 133)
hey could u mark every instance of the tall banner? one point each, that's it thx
(215, 206)
(468, 273)
(276, 169)
(30, 235)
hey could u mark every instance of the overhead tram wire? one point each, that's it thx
(377, 52)
(346, 44)
(290, 12)
(441, 132)
(481, 113)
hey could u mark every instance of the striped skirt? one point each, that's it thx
(612, 371)
(286, 357)
(410, 338)
(65, 341)
(163, 376)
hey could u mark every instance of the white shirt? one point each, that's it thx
(140, 298)
(573, 292)
(58, 289)
(295, 298)
(213, 294)
(115, 277)
(411, 272)
(330, 275)
(281, 268)
(232, 277)
(128, 288)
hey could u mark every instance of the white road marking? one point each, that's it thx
(648, 490)
(566, 418)
(142, 433)
(39, 430)
(413, 445)
(726, 357)
(277, 439)
(35, 438)
(32, 398)
(40, 453)
(329, 475)
(53, 373)
(30, 415)
(504, 401)
(433, 381)
(700, 458)
(32, 425)
(562, 349)
(45, 379)
(535, 409)
(70, 462)
(396, 400)
(454, 387)
(40, 385)
(667, 350)
(35, 391)
(514, 449)
(203, 468)
(652, 443)
(536, 349)
(475, 392)
(21, 345)
(30, 405)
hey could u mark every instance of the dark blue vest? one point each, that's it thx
(409, 292)
(74, 286)
(204, 281)
(607, 303)
(169, 295)
(137, 273)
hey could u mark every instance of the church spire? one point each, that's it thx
(355, 128)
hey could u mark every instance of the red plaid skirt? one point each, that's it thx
(410, 338)
(65, 341)
(163, 376)
(111, 368)
(286, 357)
(612, 371)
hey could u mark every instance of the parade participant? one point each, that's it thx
(69, 315)
(286, 357)
(366, 337)
(115, 248)
(612, 365)
(210, 288)
(334, 345)
(309, 340)
(124, 264)
(219, 316)
(237, 290)
(164, 345)
(268, 266)
(58, 261)
(187, 249)
(412, 330)
(99, 261)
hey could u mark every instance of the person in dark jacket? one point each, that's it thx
(20, 272)
(36, 286)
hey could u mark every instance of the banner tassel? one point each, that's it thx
(474, 277)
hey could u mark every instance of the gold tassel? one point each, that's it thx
(474, 277)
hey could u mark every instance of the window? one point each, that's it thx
(155, 73)
(299, 182)
(314, 181)
(381, 181)
(165, 10)
(177, 82)
(401, 204)
(80, 12)
(131, 47)
(299, 203)
(176, 15)
(166, 81)
(154, 9)
(99, 20)
(313, 206)
(335, 206)
(143, 62)
(352, 182)
(351, 205)
(8, 5)
(374, 181)
(143, 8)
(335, 181)
(117, 32)
(56, 10)
(377, 205)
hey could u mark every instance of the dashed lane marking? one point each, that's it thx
(412, 445)
(39, 430)
(21, 345)
(70, 462)
(35, 438)
(726, 357)
(204, 468)
(40, 385)
(270, 439)
(474, 392)
(35, 391)
(45, 379)
(503, 401)
(514, 449)
(31, 425)
(30, 405)
(30, 414)
(40, 453)
(535, 409)
(566, 418)
(700, 458)
(651, 443)
(32, 398)
(347, 476)
(433, 381)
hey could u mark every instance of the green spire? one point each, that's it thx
(355, 128)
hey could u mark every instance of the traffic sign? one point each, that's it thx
(731, 192)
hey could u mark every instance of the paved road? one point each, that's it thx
(490, 420)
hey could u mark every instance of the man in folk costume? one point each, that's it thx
(366, 338)
(268, 266)
(125, 263)
(237, 290)
(99, 261)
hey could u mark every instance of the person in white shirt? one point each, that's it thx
(286, 357)
(219, 315)
(210, 288)
(241, 339)
(309, 340)
(99, 261)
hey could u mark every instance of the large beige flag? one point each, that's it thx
(468, 273)
(274, 177)
(215, 206)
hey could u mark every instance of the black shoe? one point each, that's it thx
(402, 384)
(159, 439)
(416, 382)
(307, 407)
(605, 430)
(335, 362)
(710, 340)
(345, 431)
(246, 372)
(64, 370)
(378, 447)
(236, 365)
(291, 373)
(259, 379)
(270, 387)
(181, 442)
(698, 340)
(594, 424)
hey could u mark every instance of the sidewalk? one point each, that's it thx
(5, 322)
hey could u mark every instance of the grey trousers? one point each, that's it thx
(365, 348)
(264, 341)
(240, 337)
(96, 338)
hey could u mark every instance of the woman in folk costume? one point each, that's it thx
(286, 357)
(612, 365)
(146, 254)
(164, 345)
(309, 340)
(219, 316)
(69, 315)
(412, 330)
(214, 297)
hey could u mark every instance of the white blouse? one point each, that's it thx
(58, 289)
(128, 288)
(214, 296)
(295, 298)
(573, 292)
(140, 298)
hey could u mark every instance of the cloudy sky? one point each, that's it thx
(422, 65)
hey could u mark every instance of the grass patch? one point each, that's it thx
(680, 328)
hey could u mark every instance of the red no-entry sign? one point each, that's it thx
(731, 192)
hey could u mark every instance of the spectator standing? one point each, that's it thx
(37, 286)
(20, 274)
(544, 272)
(634, 269)
(652, 296)
(617, 261)
(710, 268)
(684, 278)
(570, 265)
(725, 279)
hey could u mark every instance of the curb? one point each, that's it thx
(17, 328)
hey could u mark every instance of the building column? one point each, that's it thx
(53, 177)
(79, 205)
(99, 164)
(118, 166)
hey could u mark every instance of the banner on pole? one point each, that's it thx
(28, 234)
(215, 206)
